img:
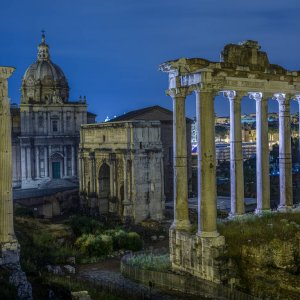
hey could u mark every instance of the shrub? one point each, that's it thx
(95, 245)
(85, 225)
(119, 238)
(134, 242)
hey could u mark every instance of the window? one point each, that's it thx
(103, 138)
(54, 126)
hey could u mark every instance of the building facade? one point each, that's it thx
(121, 169)
(46, 125)
(165, 117)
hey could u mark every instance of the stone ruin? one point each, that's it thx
(9, 246)
(244, 70)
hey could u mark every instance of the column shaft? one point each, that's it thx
(262, 153)
(207, 195)
(73, 160)
(6, 203)
(46, 161)
(28, 152)
(285, 153)
(37, 161)
(23, 162)
(236, 158)
(181, 209)
(65, 162)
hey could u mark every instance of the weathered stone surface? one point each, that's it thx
(121, 169)
(9, 247)
(203, 257)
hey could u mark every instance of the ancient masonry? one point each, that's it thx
(243, 71)
(121, 169)
(9, 246)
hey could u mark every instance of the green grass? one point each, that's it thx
(256, 244)
(150, 261)
(257, 230)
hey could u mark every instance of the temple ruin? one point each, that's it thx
(244, 70)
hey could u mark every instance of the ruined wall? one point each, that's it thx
(201, 257)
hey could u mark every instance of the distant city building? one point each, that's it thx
(45, 128)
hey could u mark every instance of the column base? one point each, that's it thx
(9, 253)
(181, 225)
(10, 260)
(208, 234)
(285, 208)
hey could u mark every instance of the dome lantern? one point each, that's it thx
(43, 49)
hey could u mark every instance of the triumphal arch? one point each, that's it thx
(244, 70)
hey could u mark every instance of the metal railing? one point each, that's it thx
(186, 284)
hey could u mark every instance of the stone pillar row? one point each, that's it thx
(207, 196)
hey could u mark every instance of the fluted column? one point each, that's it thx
(285, 153)
(6, 203)
(37, 161)
(236, 155)
(180, 186)
(262, 153)
(207, 195)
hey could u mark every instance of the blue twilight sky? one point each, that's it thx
(110, 50)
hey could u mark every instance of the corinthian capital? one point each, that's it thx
(282, 98)
(180, 92)
(230, 94)
(257, 96)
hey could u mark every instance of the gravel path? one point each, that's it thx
(119, 285)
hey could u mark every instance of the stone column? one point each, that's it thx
(23, 163)
(207, 195)
(262, 153)
(285, 153)
(28, 154)
(93, 172)
(180, 186)
(125, 201)
(236, 155)
(46, 161)
(111, 177)
(297, 98)
(6, 203)
(37, 161)
(73, 160)
(65, 161)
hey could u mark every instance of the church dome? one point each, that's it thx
(42, 69)
(43, 80)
